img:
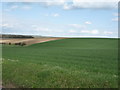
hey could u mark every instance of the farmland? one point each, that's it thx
(27, 41)
(64, 63)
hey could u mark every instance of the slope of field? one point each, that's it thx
(27, 41)
(73, 63)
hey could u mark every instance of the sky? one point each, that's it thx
(74, 18)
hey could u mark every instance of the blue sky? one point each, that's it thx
(66, 19)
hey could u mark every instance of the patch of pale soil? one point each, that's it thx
(13, 40)
(41, 40)
(28, 41)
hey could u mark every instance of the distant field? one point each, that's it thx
(65, 63)
(27, 41)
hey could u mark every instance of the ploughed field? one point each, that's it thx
(27, 41)
(65, 63)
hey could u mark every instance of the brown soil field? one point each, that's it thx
(28, 41)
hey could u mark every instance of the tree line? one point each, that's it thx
(15, 36)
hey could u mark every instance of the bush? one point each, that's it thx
(22, 44)
(9, 43)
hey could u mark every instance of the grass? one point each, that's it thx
(66, 63)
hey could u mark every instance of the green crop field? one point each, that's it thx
(65, 63)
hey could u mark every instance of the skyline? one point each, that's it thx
(60, 19)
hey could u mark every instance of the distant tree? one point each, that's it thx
(15, 36)
(17, 43)
(9, 43)
(22, 44)
(3, 43)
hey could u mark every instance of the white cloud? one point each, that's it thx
(41, 29)
(38, 28)
(55, 15)
(67, 7)
(94, 31)
(54, 2)
(88, 36)
(62, 1)
(14, 6)
(75, 4)
(34, 26)
(116, 14)
(29, 0)
(26, 7)
(77, 25)
(7, 10)
(46, 14)
(6, 25)
(88, 22)
(72, 31)
(90, 31)
(94, 4)
(91, 4)
(19, 0)
(107, 32)
(115, 19)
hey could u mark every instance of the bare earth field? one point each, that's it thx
(28, 41)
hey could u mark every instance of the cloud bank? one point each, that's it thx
(74, 4)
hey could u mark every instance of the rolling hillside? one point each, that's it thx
(73, 63)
